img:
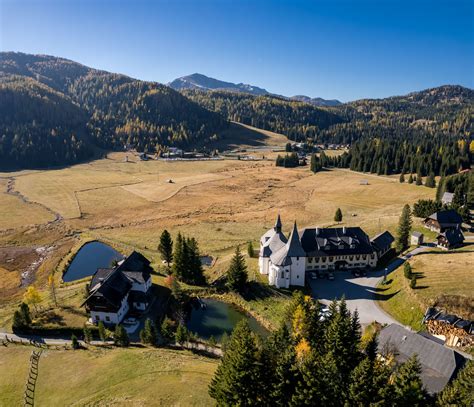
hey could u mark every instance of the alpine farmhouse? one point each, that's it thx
(287, 260)
(115, 291)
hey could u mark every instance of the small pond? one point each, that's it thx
(88, 259)
(216, 318)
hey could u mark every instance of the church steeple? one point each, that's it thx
(294, 244)
(277, 226)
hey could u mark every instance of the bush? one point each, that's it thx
(413, 282)
(407, 271)
(182, 334)
(75, 342)
(120, 336)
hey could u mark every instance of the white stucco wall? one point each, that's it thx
(263, 265)
(111, 317)
(297, 271)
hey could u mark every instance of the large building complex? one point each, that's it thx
(286, 260)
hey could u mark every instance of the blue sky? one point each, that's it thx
(333, 49)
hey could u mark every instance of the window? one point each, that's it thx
(107, 318)
(310, 259)
(351, 258)
(297, 277)
(364, 257)
(372, 256)
(323, 259)
(331, 258)
(282, 274)
(297, 258)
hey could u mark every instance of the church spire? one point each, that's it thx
(294, 244)
(277, 226)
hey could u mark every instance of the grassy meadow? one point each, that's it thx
(105, 377)
(223, 203)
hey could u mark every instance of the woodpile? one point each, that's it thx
(454, 330)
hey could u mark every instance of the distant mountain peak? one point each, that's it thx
(203, 82)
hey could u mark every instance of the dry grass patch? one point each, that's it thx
(15, 213)
(446, 275)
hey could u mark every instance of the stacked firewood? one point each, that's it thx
(454, 336)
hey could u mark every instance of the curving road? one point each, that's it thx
(361, 293)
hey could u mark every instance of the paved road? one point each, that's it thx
(361, 293)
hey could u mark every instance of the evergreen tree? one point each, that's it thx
(458, 197)
(315, 163)
(87, 334)
(404, 228)
(460, 392)
(250, 250)
(430, 181)
(102, 332)
(120, 336)
(288, 148)
(413, 281)
(179, 257)
(74, 342)
(167, 329)
(195, 272)
(407, 270)
(402, 178)
(148, 334)
(238, 378)
(407, 384)
(338, 215)
(419, 180)
(166, 247)
(25, 313)
(182, 334)
(410, 179)
(237, 272)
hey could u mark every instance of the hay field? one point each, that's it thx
(116, 377)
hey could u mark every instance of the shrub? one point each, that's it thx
(407, 271)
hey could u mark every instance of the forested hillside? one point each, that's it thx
(54, 111)
(297, 120)
(424, 132)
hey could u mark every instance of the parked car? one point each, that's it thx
(330, 276)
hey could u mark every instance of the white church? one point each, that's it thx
(286, 260)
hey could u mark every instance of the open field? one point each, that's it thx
(444, 279)
(446, 274)
(222, 203)
(102, 377)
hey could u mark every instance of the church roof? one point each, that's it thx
(294, 245)
(275, 243)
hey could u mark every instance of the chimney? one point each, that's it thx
(317, 231)
(343, 230)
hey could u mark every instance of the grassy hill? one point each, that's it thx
(102, 377)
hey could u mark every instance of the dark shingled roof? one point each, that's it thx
(294, 244)
(99, 276)
(446, 217)
(335, 241)
(108, 295)
(453, 236)
(382, 240)
(439, 364)
(109, 286)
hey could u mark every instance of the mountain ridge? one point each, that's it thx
(205, 83)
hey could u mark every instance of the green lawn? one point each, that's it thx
(106, 377)
(403, 305)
